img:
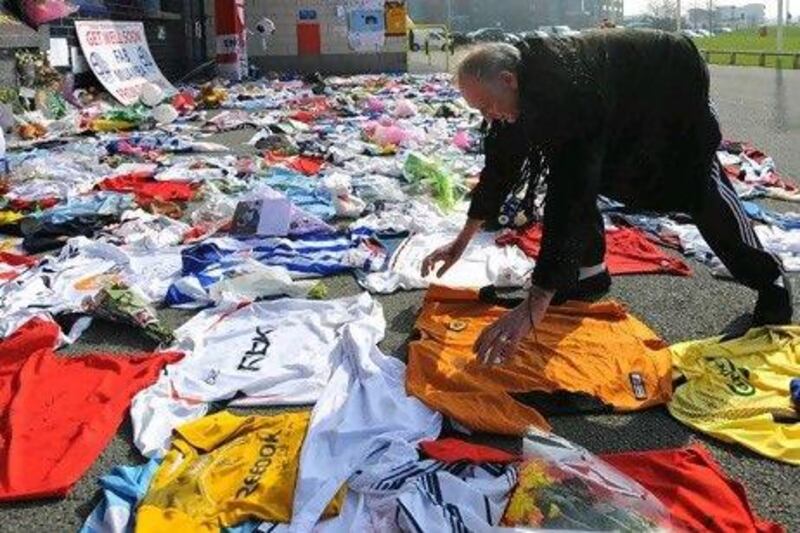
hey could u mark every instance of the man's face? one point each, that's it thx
(496, 100)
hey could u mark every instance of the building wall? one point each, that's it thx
(754, 14)
(730, 16)
(336, 56)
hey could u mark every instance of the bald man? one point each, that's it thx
(622, 113)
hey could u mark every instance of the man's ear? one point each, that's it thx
(509, 79)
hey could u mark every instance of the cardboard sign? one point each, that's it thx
(118, 54)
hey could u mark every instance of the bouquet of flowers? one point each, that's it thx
(563, 486)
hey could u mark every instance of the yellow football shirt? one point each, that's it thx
(10, 217)
(225, 469)
(738, 391)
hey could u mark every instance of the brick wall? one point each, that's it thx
(165, 31)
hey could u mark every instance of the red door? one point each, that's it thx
(308, 39)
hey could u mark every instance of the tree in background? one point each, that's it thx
(662, 14)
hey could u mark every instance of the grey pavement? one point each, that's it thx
(754, 104)
(761, 105)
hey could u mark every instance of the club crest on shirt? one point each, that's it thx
(457, 325)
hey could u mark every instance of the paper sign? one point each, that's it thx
(118, 54)
(58, 53)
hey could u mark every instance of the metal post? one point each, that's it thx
(711, 15)
(780, 25)
(449, 15)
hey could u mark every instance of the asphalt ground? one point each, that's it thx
(754, 104)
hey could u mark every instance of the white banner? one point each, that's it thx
(118, 54)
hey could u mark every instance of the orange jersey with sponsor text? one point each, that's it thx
(583, 356)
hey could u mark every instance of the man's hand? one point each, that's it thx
(447, 255)
(452, 252)
(500, 340)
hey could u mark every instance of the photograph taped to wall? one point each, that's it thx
(366, 29)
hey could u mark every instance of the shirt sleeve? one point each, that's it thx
(505, 149)
(572, 188)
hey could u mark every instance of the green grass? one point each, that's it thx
(750, 40)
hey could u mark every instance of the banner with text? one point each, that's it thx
(118, 54)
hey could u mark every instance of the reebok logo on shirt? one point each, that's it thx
(252, 357)
(269, 445)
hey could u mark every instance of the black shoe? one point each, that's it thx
(589, 288)
(774, 306)
(736, 329)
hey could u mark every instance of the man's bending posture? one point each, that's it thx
(621, 113)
